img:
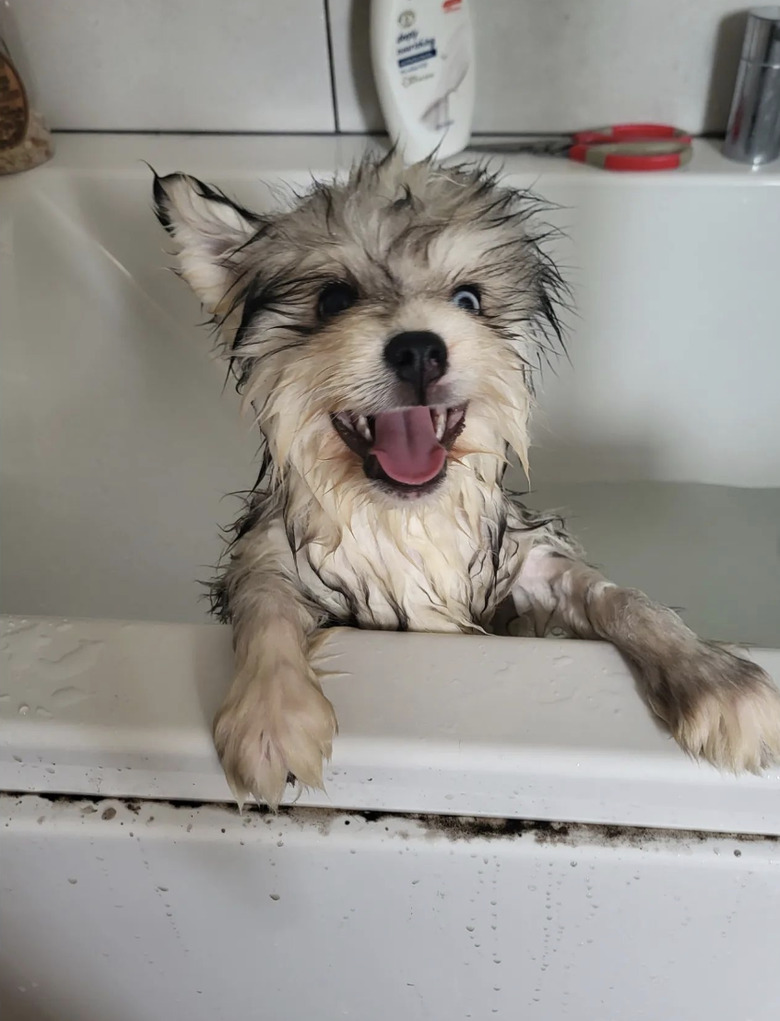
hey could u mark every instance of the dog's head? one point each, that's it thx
(384, 328)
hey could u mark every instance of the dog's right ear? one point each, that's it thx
(208, 230)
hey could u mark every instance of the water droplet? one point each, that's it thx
(24, 709)
(274, 896)
(573, 864)
(73, 659)
(73, 881)
(43, 712)
(469, 928)
(4, 696)
(68, 696)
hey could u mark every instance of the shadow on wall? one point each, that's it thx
(360, 65)
(556, 460)
(728, 46)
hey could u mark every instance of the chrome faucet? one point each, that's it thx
(753, 132)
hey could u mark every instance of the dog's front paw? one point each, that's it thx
(721, 708)
(273, 729)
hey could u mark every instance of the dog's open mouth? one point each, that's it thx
(406, 449)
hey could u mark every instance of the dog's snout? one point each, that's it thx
(418, 357)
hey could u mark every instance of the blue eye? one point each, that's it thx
(468, 299)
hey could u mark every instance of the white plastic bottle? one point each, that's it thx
(423, 58)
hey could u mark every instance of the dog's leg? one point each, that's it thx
(717, 705)
(275, 720)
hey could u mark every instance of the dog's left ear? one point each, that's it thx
(208, 230)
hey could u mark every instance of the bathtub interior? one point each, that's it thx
(120, 443)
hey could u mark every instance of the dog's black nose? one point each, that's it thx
(418, 357)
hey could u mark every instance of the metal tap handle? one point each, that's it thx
(753, 133)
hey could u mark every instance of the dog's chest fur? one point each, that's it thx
(444, 567)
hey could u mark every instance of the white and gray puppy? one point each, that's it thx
(383, 332)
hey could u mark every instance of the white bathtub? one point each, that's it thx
(624, 897)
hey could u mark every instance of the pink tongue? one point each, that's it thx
(406, 446)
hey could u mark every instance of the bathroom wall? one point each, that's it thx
(303, 65)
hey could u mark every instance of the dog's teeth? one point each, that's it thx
(439, 422)
(361, 425)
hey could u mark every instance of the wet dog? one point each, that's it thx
(384, 331)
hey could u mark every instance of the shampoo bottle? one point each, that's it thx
(422, 53)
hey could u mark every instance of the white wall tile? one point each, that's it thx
(220, 65)
(545, 65)
(256, 65)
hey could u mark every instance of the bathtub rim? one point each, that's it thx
(541, 729)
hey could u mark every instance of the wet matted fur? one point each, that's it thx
(384, 331)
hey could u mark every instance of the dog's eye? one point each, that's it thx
(467, 298)
(335, 298)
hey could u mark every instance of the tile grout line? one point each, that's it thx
(331, 67)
